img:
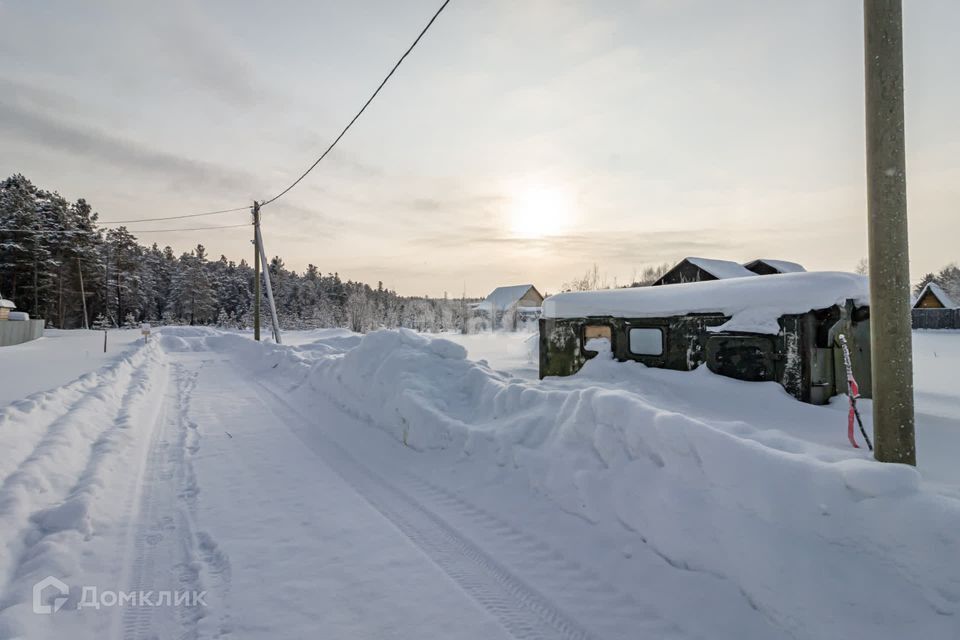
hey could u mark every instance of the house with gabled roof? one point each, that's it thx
(6, 306)
(506, 306)
(768, 267)
(693, 269)
(932, 296)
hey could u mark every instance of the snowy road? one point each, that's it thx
(289, 532)
(296, 519)
(235, 503)
(296, 495)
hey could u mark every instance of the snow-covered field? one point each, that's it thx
(399, 486)
(57, 358)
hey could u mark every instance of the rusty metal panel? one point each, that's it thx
(801, 357)
(744, 357)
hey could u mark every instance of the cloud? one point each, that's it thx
(206, 56)
(39, 129)
(293, 222)
(648, 247)
(459, 204)
(35, 96)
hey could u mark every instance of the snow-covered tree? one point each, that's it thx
(49, 245)
(100, 322)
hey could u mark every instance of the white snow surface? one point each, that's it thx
(783, 266)
(753, 304)
(721, 269)
(58, 358)
(388, 486)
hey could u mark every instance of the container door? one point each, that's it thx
(742, 357)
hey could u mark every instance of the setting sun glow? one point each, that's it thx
(537, 211)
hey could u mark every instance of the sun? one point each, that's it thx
(539, 210)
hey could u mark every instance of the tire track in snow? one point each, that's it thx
(24, 424)
(611, 609)
(167, 551)
(35, 496)
(521, 609)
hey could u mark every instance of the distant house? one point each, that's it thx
(17, 327)
(767, 267)
(934, 297)
(506, 306)
(6, 306)
(703, 269)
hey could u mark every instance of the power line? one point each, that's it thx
(83, 231)
(44, 232)
(363, 108)
(188, 215)
(224, 226)
(41, 232)
(274, 198)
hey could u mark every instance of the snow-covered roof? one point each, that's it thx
(782, 266)
(937, 291)
(7, 304)
(504, 297)
(721, 269)
(754, 303)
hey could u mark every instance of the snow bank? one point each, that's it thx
(61, 449)
(800, 536)
(753, 303)
(58, 358)
(823, 544)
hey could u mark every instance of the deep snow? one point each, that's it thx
(58, 358)
(392, 486)
(754, 304)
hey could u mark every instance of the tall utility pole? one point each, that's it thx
(890, 326)
(256, 272)
(106, 286)
(266, 280)
(83, 294)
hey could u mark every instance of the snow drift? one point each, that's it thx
(753, 303)
(62, 449)
(801, 530)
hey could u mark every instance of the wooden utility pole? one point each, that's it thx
(890, 322)
(106, 288)
(83, 295)
(258, 237)
(256, 272)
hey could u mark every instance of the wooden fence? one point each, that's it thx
(16, 331)
(936, 318)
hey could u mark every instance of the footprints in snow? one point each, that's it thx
(171, 553)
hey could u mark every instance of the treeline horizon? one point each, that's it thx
(48, 244)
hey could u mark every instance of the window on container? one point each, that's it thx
(646, 342)
(596, 337)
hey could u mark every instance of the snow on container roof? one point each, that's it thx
(938, 292)
(782, 266)
(7, 304)
(504, 297)
(754, 304)
(721, 269)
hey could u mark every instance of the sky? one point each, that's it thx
(520, 141)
